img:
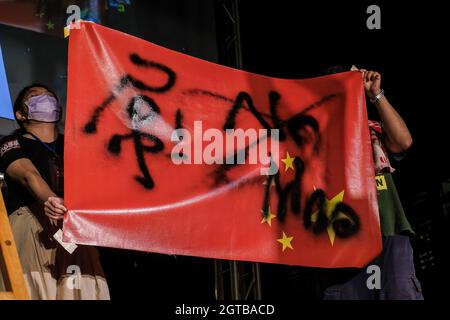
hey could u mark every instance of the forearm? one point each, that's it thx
(38, 187)
(24, 172)
(398, 137)
(53, 206)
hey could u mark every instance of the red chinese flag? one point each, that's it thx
(126, 97)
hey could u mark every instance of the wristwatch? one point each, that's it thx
(378, 96)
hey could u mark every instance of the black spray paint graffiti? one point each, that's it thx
(343, 219)
(137, 136)
(297, 127)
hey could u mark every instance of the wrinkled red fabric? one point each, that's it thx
(206, 210)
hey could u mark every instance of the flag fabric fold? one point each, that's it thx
(126, 188)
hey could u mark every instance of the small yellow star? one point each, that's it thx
(288, 162)
(269, 218)
(286, 242)
(50, 25)
(329, 207)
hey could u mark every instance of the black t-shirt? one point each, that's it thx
(48, 164)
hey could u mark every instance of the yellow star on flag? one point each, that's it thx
(269, 218)
(50, 25)
(288, 162)
(286, 242)
(329, 207)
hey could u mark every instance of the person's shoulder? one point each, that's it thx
(8, 138)
(9, 143)
(11, 137)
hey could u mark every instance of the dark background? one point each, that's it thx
(287, 39)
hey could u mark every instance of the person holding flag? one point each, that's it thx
(32, 160)
(398, 281)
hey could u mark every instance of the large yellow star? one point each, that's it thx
(286, 242)
(269, 218)
(329, 207)
(288, 162)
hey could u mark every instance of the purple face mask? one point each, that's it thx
(43, 108)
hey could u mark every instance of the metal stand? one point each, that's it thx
(243, 277)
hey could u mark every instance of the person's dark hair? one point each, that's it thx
(335, 69)
(19, 102)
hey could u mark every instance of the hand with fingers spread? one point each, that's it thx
(372, 82)
(54, 208)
